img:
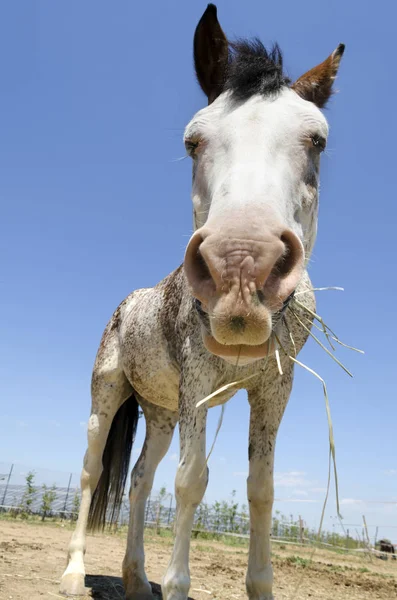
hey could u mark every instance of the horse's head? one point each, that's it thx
(256, 154)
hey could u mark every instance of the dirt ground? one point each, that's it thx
(32, 558)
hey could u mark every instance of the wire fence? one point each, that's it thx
(16, 496)
(52, 494)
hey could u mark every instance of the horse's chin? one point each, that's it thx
(243, 353)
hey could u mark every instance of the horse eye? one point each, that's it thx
(319, 142)
(191, 146)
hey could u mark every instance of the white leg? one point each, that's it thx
(265, 418)
(190, 485)
(110, 389)
(260, 496)
(160, 426)
(72, 582)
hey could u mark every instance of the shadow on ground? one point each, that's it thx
(106, 587)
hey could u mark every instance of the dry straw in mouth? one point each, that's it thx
(330, 335)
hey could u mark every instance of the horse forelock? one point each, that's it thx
(252, 69)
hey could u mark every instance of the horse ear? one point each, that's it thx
(211, 51)
(316, 84)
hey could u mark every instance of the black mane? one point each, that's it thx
(252, 69)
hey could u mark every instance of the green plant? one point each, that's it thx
(217, 514)
(201, 519)
(160, 499)
(75, 506)
(47, 500)
(298, 560)
(28, 496)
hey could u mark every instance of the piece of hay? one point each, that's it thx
(320, 320)
(319, 342)
(320, 289)
(225, 387)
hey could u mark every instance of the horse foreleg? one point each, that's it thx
(190, 485)
(265, 418)
(160, 424)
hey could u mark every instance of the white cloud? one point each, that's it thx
(299, 493)
(350, 501)
(303, 500)
(390, 472)
(22, 424)
(54, 423)
(291, 479)
(83, 424)
(174, 457)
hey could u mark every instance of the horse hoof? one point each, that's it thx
(137, 589)
(72, 584)
(144, 594)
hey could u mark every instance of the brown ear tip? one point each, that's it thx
(209, 17)
(211, 9)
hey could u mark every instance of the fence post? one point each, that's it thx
(158, 515)
(6, 488)
(67, 497)
(366, 532)
(376, 536)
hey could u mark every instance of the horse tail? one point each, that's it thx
(107, 498)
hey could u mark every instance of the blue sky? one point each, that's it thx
(94, 100)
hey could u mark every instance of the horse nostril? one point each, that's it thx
(201, 267)
(197, 270)
(287, 271)
(288, 260)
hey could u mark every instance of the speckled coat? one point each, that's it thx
(152, 348)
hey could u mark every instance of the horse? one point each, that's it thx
(227, 314)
